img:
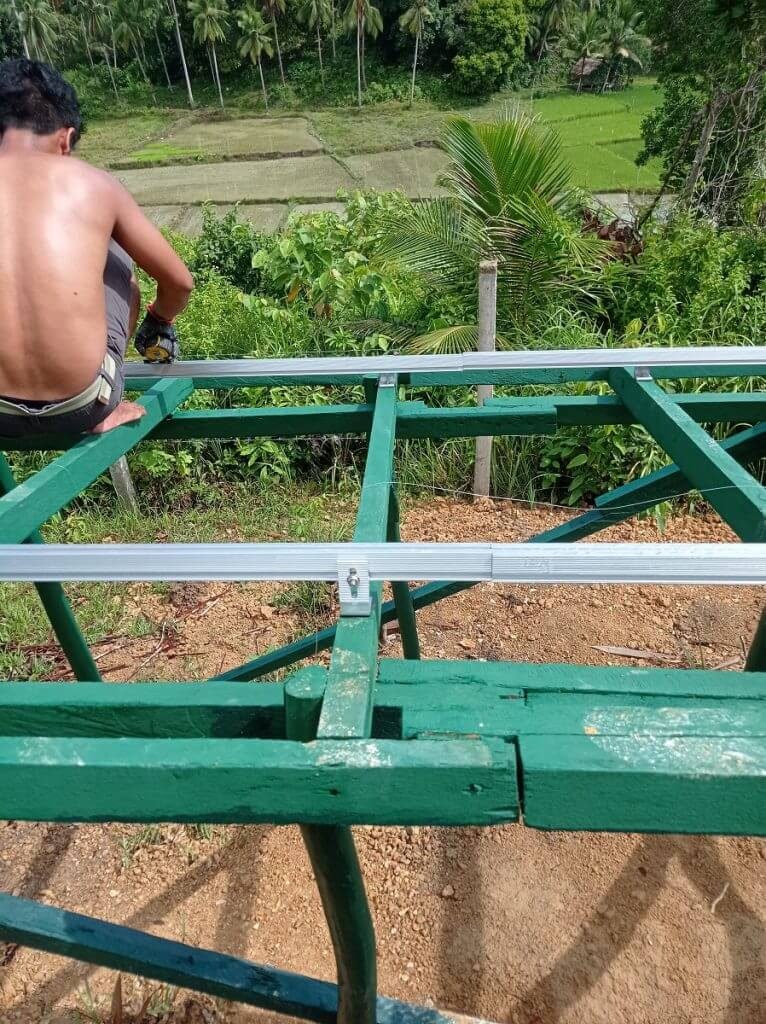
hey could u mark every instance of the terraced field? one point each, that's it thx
(174, 161)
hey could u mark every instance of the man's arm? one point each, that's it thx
(145, 244)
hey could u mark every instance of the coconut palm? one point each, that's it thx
(126, 28)
(151, 13)
(254, 41)
(585, 40)
(315, 13)
(553, 20)
(209, 19)
(623, 35)
(78, 9)
(361, 16)
(509, 198)
(271, 8)
(20, 26)
(181, 51)
(38, 27)
(414, 20)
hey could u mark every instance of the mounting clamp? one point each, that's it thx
(643, 373)
(354, 586)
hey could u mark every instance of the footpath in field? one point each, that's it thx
(507, 923)
(174, 161)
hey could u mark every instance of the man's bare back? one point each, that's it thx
(59, 217)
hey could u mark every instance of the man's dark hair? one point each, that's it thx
(35, 97)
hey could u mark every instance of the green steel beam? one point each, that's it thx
(731, 490)
(499, 416)
(30, 504)
(614, 507)
(93, 941)
(54, 601)
(337, 872)
(347, 706)
(405, 608)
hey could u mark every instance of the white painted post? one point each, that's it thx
(487, 329)
(123, 484)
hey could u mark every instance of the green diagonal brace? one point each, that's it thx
(57, 608)
(30, 504)
(736, 495)
(347, 707)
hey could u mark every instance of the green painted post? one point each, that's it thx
(338, 875)
(56, 605)
(405, 609)
(756, 656)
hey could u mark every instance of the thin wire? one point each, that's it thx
(527, 502)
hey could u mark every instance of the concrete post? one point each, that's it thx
(487, 331)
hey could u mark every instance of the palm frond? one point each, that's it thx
(436, 238)
(494, 162)
(446, 341)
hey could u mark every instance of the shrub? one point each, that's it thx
(492, 34)
(226, 246)
(693, 285)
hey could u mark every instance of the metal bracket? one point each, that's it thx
(643, 373)
(387, 380)
(354, 586)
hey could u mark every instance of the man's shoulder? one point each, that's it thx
(96, 178)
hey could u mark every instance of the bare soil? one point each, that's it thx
(505, 923)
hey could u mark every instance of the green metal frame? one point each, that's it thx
(377, 741)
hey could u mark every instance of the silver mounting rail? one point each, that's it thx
(353, 566)
(357, 366)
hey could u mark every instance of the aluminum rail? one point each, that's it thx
(357, 366)
(728, 564)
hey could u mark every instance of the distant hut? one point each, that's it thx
(582, 71)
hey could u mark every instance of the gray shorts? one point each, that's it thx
(20, 417)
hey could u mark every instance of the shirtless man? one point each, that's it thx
(68, 297)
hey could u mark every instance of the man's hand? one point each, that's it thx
(156, 339)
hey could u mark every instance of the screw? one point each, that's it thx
(353, 579)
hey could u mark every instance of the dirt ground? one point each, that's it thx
(505, 923)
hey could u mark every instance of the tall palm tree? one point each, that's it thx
(20, 26)
(126, 28)
(362, 17)
(509, 198)
(414, 20)
(209, 18)
(78, 9)
(622, 36)
(151, 13)
(554, 18)
(38, 25)
(181, 51)
(271, 8)
(254, 41)
(585, 39)
(315, 13)
(96, 22)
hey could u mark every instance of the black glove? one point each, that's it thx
(156, 339)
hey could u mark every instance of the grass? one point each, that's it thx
(600, 134)
(298, 514)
